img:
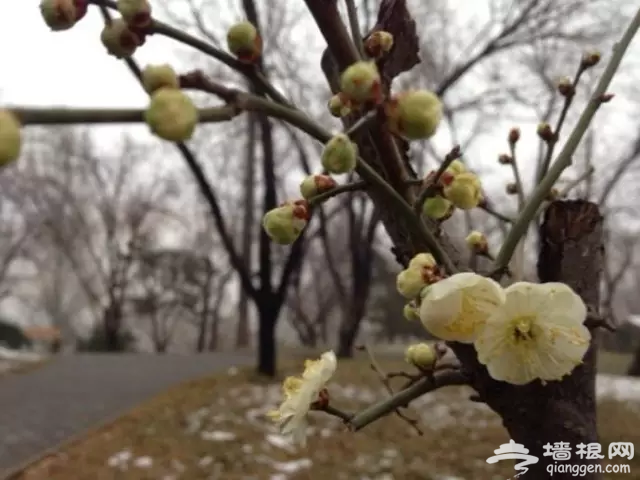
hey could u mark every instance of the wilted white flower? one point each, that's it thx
(538, 333)
(457, 307)
(300, 393)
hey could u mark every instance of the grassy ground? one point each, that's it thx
(215, 429)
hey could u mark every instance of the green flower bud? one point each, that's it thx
(378, 44)
(339, 105)
(119, 40)
(155, 77)
(422, 355)
(415, 114)
(10, 137)
(244, 41)
(171, 115)
(136, 13)
(409, 282)
(477, 242)
(284, 224)
(464, 191)
(437, 207)
(423, 260)
(316, 184)
(411, 312)
(62, 14)
(361, 82)
(340, 154)
(456, 167)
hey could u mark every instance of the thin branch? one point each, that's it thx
(442, 378)
(387, 385)
(431, 189)
(538, 196)
(352, 13)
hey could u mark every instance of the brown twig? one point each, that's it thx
(385, 381)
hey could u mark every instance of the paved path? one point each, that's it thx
(40, 409)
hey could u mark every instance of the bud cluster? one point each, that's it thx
(122, 36)
(421, 272)
(171, 114)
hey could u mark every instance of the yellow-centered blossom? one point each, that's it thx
(539, 333)
(300, 393)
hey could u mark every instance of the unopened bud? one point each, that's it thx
(505, 159)
(465, 191)
(590, 59)
(361, 83)
(565, 87)
(437, 207)
(284, 224)
(340, 155)
(411, 312)
(606, 97)
(477, 242)
(409, 282)
(339, 105)
(171, 115)
(545, 132)
(316, 184)
(62, 14)
(244, 41)
(155, 77)
(10, 137)
(378, 44)
(553, 194)
(421, 355)
(119, 40)
(415, 114)
(423, 260)
(456, 167)
(137, 13)
(514, 135)
(512, 189)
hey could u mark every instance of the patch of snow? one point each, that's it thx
(196, 419)
(618, 387)
(292, 466)
(120, 459)
(233, 371)
(178, 465)
(247, 448)
(205, 461)
(143, 462)
(218, 436)
(279, 442)
(279, 476)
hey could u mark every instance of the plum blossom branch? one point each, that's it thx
(430, 189)
(563, 160)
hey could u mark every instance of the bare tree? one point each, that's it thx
(90, 208)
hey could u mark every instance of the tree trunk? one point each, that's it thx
(267, 342)
(112, 328)
(561, 411)
(214, 338)
(634, 368)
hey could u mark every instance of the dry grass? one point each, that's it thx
(215, 428)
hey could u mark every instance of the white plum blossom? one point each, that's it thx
(300, 393)
(539, 333)
(456, 308)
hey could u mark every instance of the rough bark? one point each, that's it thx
(564, 411)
